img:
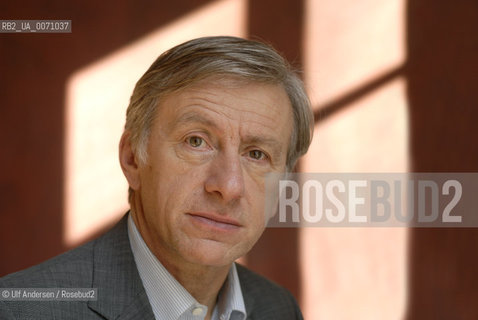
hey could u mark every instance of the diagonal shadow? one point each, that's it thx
(328, 109)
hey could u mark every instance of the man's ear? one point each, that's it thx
(128, 162)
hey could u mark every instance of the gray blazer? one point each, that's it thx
(107, 263)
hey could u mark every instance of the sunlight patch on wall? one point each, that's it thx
(96, 102)
(350, 42)
(356, 273)
(364, 269)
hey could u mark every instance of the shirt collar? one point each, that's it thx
(169, 299)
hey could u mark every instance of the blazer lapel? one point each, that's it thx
(249, 304)
(248, 290)
(120, 291)
(138, 309)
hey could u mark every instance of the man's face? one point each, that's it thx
(202, 187)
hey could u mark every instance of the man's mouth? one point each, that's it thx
(215, 221)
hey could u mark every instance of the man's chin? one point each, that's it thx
(212, 253)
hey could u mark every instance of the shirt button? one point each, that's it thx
(197, 311)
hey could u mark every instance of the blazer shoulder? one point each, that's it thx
(105, 263)
(70, 269)
(73, 268)
(265, 299)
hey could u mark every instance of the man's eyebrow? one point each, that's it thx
(253, 139)
(194, 117)
(272, 143)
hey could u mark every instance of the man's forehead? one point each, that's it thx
(196, 114)
(264, 103)
(231, 89)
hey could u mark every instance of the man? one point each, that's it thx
(206, 123)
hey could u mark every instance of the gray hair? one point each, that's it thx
(223, 56)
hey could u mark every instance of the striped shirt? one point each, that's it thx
(169, 299)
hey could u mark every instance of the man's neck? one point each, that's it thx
(202, 282)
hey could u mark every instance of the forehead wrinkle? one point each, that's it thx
(198, 115)
(223, 104)
(207, 104)
(245, 115)
(194, 117)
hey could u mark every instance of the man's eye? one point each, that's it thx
(195, 141)
(257, 154)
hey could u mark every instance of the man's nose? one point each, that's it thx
(225, 177)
